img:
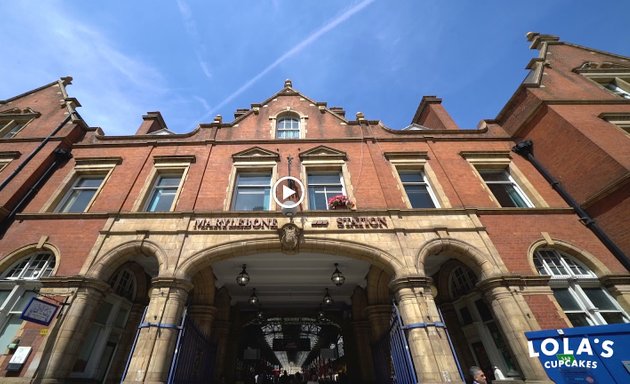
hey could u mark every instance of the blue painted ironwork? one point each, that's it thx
(194, 357)
(404, 371)
(133, 348)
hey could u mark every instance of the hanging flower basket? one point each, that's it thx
(340, 202)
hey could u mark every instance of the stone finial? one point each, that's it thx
(531, 35)
(218, 119)
(288, 83)
(360, 116)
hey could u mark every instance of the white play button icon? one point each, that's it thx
(291, 188)
(287, 192)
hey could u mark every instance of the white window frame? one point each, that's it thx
(502, 160)
(45, 270)
(550, 262)
(295, 132)
(10, 127)
(509, 182)
(315, 171)
(424, 182)
(261, 171)
(84, 167)
(417, 162)
(164, 165)
(153, 193)
(20, 285)
(61, 207)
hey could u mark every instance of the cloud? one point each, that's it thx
(310, 39)
(191, 29)
(114, 84)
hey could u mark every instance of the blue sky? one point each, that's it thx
(193, 59)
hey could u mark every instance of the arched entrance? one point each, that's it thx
(291, 316)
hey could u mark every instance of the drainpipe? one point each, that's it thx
(61, 156)
(526, 149)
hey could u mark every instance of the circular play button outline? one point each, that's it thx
(275, 195)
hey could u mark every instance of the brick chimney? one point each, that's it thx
(152, 122)
(431, 114)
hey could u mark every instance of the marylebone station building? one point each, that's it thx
(295, 237)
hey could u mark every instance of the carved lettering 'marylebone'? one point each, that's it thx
(230, 224)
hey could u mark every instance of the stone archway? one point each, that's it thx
(318, 256)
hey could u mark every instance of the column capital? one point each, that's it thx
(410, 282)
(202, 309)
(378, 309)
(171, 282)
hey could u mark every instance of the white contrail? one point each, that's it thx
(296, 49)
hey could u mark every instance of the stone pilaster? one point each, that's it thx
(364, 349)
(428, 343)
(379, 317)
(512, 313)
(221, 336)
(152, 356)
(57, 365)
(203, 316)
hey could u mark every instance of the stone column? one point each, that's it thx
(430, 351)
(203, 317)
(57, 364)
(152, 356)
(364, 349)
(220, 337)
(379, 317)
(512, 313)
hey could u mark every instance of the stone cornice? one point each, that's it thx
(610, 280)
(75, 282)
(171, 282)
(410, 282)
(515, 280)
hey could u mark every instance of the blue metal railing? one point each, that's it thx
(404, 370)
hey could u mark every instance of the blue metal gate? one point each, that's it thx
(194, 357)
(403, 369)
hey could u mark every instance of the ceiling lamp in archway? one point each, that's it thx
(327, 300)
(253, 299)
(242, 278)
(337, 277)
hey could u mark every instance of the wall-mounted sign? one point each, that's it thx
(584, 355)
(19, 358)
(39, 311)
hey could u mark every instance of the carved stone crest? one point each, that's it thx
(290, 236)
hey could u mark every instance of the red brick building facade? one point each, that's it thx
(132, 234)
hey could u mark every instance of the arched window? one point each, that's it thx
(462, 281)
(577, 290)
(124, 284)
(15, 297)
(32, 267)
(288, 127)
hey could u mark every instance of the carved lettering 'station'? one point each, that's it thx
(371, 222)
(234, 224)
